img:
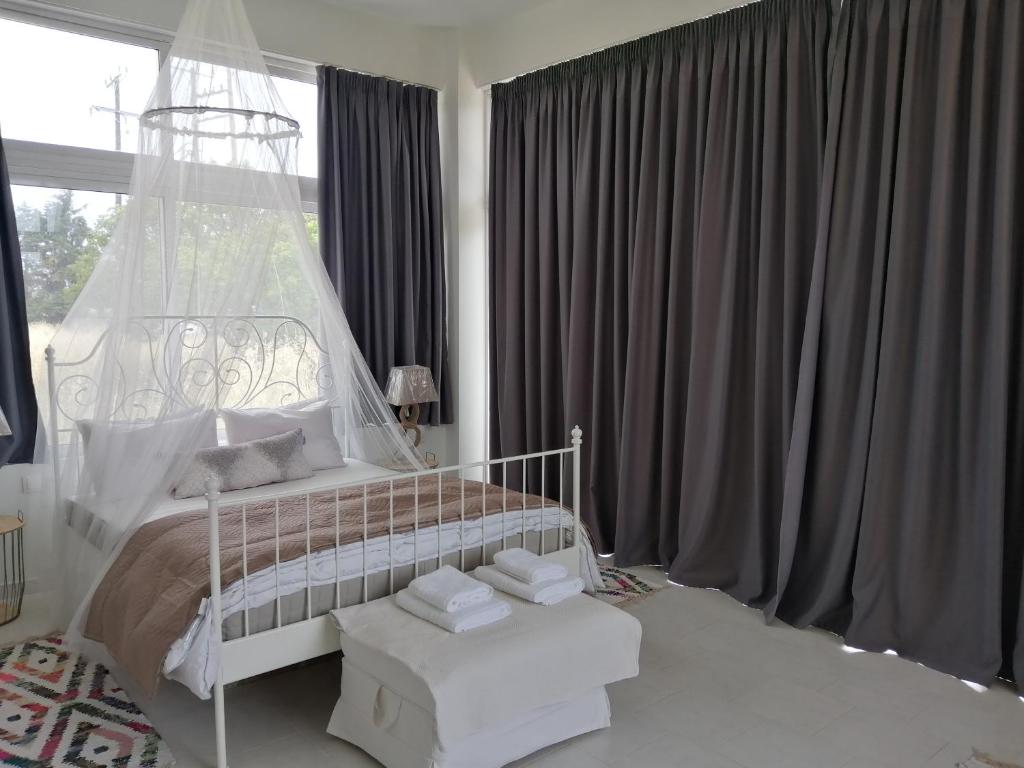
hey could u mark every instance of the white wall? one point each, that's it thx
(310, 30)
(38, 533)
(471, 303)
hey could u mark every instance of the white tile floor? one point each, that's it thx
(717, 689)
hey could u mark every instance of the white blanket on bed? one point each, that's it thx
(473, 681)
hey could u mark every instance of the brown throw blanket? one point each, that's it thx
(154, 588)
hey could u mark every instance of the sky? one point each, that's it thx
(53, 80)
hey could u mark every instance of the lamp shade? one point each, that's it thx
(410, 384)
(5, 428)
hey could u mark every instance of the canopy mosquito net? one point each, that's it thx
(208, 296)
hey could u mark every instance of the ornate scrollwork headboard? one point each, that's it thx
(227, 362)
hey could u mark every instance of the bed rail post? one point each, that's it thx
(54, 433)
(577, 441)
(213, 507)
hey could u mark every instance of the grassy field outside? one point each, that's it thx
(39, 335)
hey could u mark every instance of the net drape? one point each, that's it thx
(209, 295)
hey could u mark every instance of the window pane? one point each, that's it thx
(62, 233)
(59, 87)
(300, 100)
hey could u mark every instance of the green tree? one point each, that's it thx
(59, 248)
(96, 241)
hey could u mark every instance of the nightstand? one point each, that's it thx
(12, 567)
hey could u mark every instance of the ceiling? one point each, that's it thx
(441, 13)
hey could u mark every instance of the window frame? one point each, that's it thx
(61, 166)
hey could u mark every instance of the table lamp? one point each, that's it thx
(408, 386)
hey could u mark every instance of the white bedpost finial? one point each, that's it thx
(577, 442)
(49, 353)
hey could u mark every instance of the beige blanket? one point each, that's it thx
(154, 588)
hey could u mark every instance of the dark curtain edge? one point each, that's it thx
(17, 391)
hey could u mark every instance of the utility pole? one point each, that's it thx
(114, 81)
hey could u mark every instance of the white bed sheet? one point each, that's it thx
(322, 479)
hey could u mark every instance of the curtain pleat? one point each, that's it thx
(678, 249)
(381, 231)
(795, 306)
(906, 534)
(17, 394)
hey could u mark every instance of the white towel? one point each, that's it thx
(528, 567)
(457, 621)
(545, 593)
(449, 589)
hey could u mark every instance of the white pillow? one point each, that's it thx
(315, 420)
(131, 444)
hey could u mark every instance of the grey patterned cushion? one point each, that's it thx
(246, 465)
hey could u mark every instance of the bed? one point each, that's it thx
(295, 555)
(267, 564)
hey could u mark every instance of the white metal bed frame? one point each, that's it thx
(285, 644)
(260, 651)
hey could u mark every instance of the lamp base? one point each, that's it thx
(410, 416)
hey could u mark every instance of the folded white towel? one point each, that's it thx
(449, 589)
(545, 593)
(457, 621)
(528, 567)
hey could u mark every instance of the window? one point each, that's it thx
(60, 87)
(70, 96)
(62, 233)
(301, 102)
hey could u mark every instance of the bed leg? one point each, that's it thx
(218, 716)
(213, 507)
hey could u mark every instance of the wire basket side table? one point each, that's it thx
(12, 567)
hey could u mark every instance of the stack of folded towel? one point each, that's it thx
(452, 600)
(529, 577)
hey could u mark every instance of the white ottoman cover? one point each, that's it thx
(414, 695)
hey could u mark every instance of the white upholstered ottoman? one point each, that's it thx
(416, 696)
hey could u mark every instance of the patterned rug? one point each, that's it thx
(981, 760)
(59, 710)
(622, 587)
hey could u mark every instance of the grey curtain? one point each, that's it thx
(381, 226)
(904, 515)
(652, 229)
(17, 395)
